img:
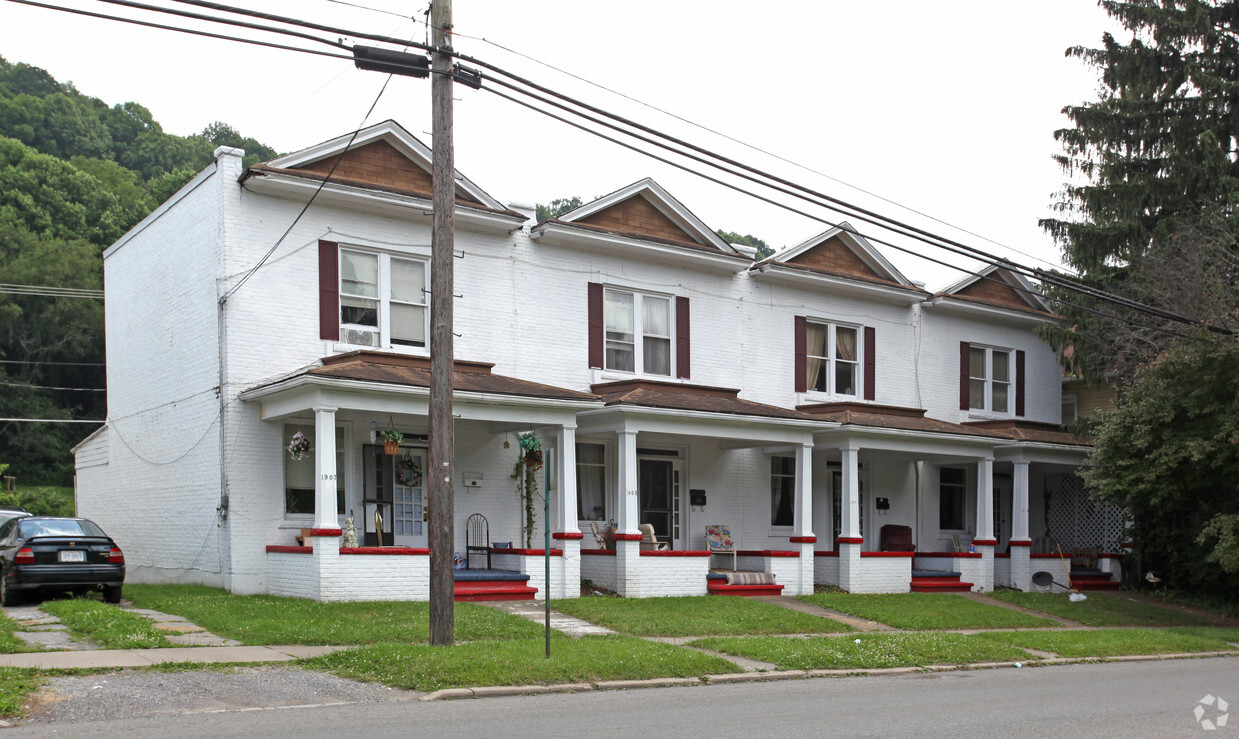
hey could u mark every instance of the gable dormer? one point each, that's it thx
(995, 292)
(382, 167)
(641, 221)
(842, 261)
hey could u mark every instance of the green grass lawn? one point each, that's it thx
(1102, 609)
(518, 662)
(267, 619)
(106, 625)
(706, 615)
(15, 685)
(1110, 642)
(871, 650)
(10, 644)
(926, 611)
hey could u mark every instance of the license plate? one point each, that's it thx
(72, 555)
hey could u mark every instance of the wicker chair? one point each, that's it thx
(650, 543)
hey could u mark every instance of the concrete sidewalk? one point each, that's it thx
(110, 658)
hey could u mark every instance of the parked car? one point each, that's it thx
(52, 553)
(7, 512)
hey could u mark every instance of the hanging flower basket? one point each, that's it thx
(408, 473)
(299, 446)
(391, 439)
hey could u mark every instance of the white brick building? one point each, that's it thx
(804, 401)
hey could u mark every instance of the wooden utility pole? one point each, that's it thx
(442, 436)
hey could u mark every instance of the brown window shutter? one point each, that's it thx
(329, 290)
(801, 344)
(596, 343)
(964, 371)
(1019, 383)
(682, 356)
(871, 357)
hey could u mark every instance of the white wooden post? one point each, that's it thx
(325, 516)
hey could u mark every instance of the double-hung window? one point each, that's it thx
(591, 476)
(382, 299)
(638, 332)
(952, 498)
(299, 495)
(989, 379)
(832, 362)
(782, 491)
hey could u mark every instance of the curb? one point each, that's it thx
(772, 675)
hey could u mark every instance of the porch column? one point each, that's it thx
(1021, 545)
(850, 541)
(325, 516)
(627, 489)
(565, 531)
(803, 539)
(984, 541)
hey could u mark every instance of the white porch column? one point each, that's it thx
(803, 539)
(325, 516)
(627, 490)
(565, 473)
(850, 526)
(984, 541)
(1021, 545)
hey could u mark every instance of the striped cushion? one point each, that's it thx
(750, 578)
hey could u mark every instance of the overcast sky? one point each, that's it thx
(947, 108)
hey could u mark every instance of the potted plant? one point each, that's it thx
(391, 439)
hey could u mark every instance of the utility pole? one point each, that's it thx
(442, 436)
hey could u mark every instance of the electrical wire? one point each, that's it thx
(51, 292)
(48, 387)
(51, 420)
(64, 364)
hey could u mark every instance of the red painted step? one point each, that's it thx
(1091, 581)
(493, 590)
(722, 588)
(940, 585)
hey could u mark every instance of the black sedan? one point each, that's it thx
(46, 553)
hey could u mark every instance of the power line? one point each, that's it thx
(64, 364)
(51, 420)
(48, 387)
(51, 292)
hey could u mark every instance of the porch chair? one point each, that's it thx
(477, 539)
(955, 542)
(649, 543)
(1084, 558)
(718, 541)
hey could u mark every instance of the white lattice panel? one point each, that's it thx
(1074, 519)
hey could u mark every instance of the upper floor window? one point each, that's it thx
(641, 333)
(382, 299)
(831, 361)
(989, 379)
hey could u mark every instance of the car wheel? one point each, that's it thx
(8, 596)
(111, 593)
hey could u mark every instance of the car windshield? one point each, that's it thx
(68, 527)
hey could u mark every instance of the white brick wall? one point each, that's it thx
(881, 575)
(534, 565)
(600, 569)
(825, 570)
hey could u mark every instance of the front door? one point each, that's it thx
(396, 491)
(836, 486)
(659, 483)
(1002, 510)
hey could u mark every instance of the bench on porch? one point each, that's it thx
(742, 583)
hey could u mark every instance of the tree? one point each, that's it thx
(557, 208)
(731, 237)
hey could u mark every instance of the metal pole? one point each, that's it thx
(442, 437)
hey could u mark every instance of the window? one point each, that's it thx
(1070, 409)
(952, 490)
(629, 346)
(782, 491)
(989, 379)
(591, 476)
(832, 364)
(382, 299)
(299, 473)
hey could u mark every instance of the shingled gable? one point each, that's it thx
(643, 211)
(997, 287)
(842, 257)
(384, 157)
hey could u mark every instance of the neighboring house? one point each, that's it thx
(805, 401)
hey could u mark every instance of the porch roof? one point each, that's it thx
(892, 417)
(1044, 433)
(700, 398)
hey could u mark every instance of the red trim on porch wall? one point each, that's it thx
(567, 535)
(802, 539)
(406, 551)
(685, 553)
(949, 555)
(289, 549)
(965, 368)
(328, 290)
(596, 344)
(831, 553)
(871, 363)
(888, 554)
(682, 355)
(603, 552)
(1020, 542)
(850, 539)
(326, 532)
(765, 553)
(629, 537)
(800, 345)
(527, 552)
(985, 542)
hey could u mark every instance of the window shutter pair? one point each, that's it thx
(965, 378)
(597, 335)
(801, 345)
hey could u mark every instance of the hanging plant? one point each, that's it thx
(299, 446)
(391, 439)
(408, 472)
(526, 474)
